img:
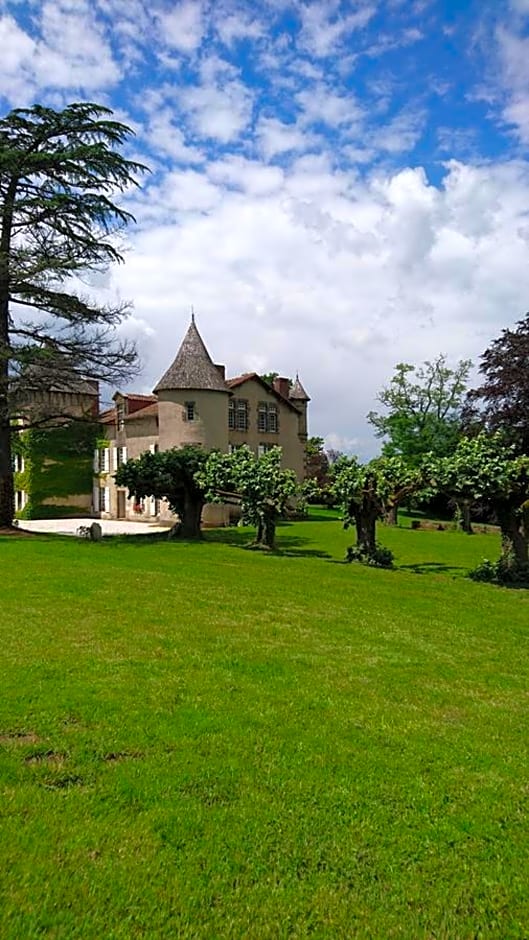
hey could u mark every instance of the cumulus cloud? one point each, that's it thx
(288, 203)
(330, 274)
(182, 27)
(69, 51)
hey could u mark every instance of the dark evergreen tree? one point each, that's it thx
(60, 172)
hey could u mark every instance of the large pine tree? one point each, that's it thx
(60, 172)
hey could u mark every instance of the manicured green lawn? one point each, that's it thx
(200, 741)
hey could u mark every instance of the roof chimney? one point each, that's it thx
(282, 386)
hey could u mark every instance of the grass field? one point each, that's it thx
(200, 741)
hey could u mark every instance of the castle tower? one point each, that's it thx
(193, 398)
(300, 399)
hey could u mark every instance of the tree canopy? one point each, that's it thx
(262, 486)
(488, 468)
(501, 402)
(170, 475)
(60, 172)
(366, 493)
(422, 409)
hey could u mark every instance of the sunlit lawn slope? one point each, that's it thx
(204, 741)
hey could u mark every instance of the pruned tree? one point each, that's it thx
(60, 172)
(422, 409)
(367, 493)
(501, 402)
(487, 468)
(170, 475)
(263, 488)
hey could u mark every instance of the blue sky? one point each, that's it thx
(335, 187)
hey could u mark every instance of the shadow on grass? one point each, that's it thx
(244, 538)
(286, 544)
(432, 567)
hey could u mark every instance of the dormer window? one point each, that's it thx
(190, 412)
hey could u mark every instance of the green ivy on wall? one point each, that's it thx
(58, 465)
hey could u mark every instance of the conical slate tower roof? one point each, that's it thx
(297, 392)
(193, 366)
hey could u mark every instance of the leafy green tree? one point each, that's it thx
(171, 475)
(501, 402)
(316, 462)
(270, 377)
(59, 174)
(262, 486)
(423, 409)
(367, 492)
(487, 468)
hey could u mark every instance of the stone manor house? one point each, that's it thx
(194, 403)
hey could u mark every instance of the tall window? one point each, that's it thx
(238, 414)
(267, 418)
(121, 455)
(18, 463)
(190, 411)
(21, 499)
(104, 460)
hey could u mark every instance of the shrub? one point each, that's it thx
(501, 572)
(379, 557)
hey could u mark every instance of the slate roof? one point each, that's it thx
(297, 392)
(193, 366)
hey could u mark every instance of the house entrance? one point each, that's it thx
(122, 504)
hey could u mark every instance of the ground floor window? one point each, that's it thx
(21, 498)
(104, 499)
(263, 449)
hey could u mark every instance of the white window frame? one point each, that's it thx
(104, 499)
(104, 459)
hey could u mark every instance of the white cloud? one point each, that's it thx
(275, 137)
(69, 51)
(167, 138)
(16, 68)
(233, 26)
(324, 27)
(182, 28)
(513, 52)
(322, 105)
(249, 176)
(340, 278)
(218, 111)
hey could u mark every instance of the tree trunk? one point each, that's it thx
(190, 517)
(7, 503)
(391, 515)
(7, 496)
(266, 531)
(365, 521)
(465, 523)
(514, 536)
